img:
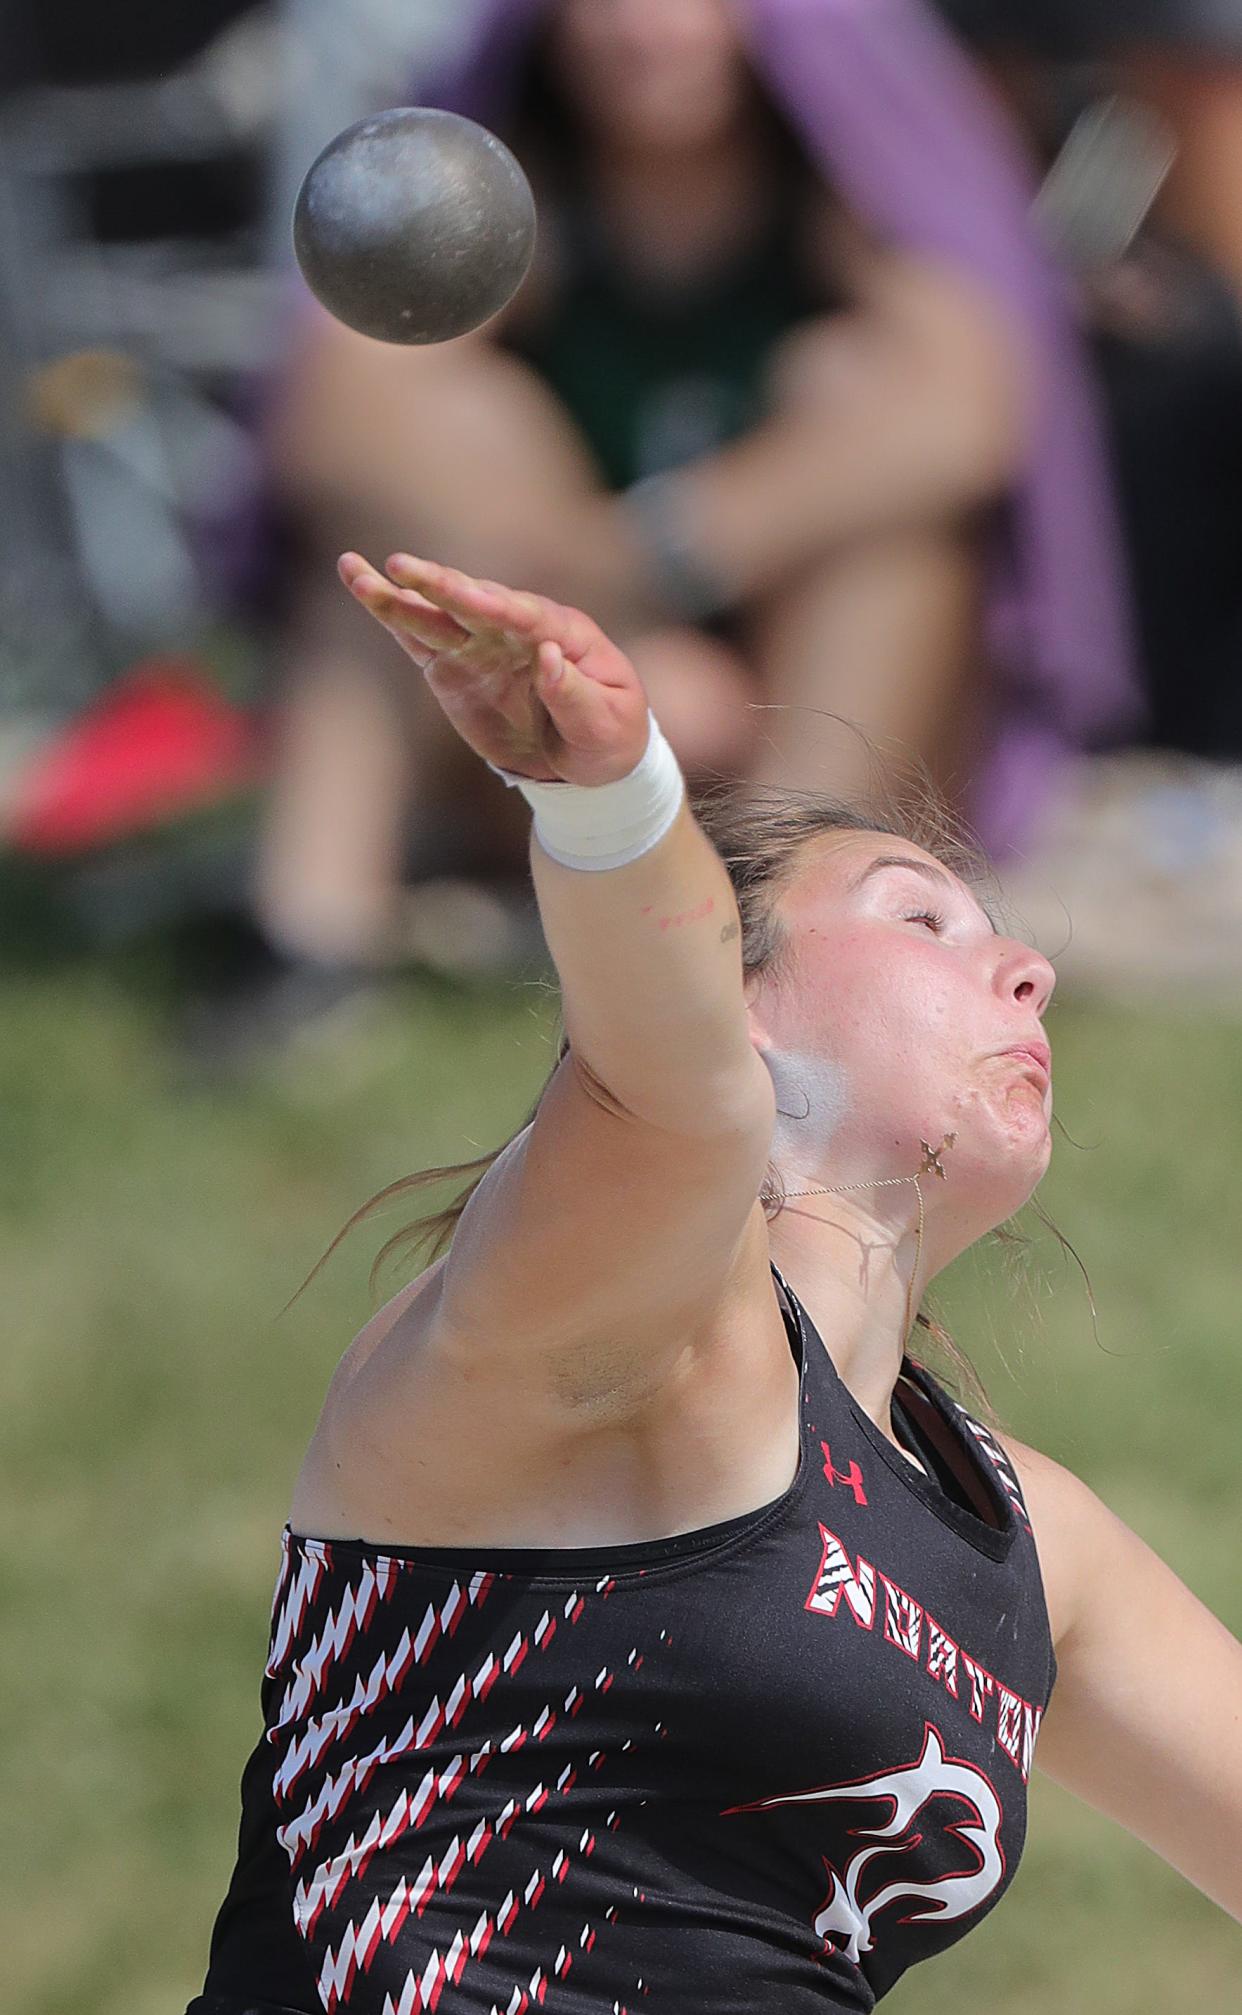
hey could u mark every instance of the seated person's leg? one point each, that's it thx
(886, 635)
(457, 452)
(703, 692)
(899, 426)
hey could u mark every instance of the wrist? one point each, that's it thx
(594, 828)
(686, 580)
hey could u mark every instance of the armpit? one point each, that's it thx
(595, 1089)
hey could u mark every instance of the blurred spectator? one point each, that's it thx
(785, 257)
(128, 180)
(1183, 58)
(1160, 300)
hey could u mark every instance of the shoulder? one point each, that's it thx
(1079, 1539)
(1047, 1485)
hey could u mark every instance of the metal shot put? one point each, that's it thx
(414, 226)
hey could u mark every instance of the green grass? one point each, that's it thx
(153, 1412)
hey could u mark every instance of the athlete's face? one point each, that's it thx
(652, 74)
(901, 1016)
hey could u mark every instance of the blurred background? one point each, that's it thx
(877, 366)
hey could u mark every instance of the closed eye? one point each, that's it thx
(934, 919)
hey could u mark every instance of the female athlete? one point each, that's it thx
(654, 1633)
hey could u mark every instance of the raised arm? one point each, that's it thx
(620, 1212)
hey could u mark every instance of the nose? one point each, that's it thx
(1023, 975)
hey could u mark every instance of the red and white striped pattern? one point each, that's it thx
(382, 1922)
(354, 1775)
(408, 1811)
(532, 1994)
(282, 1578)
(384, 1678)
(350, 1618)
(421, 1991)
(325, 1887)
(304, 1829)
(359, 1942)
(299, 1594)
(1000, 1463)
(351, 1615)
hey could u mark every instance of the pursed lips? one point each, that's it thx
(1037, 1054)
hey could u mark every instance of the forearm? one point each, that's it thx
(905, 414)
(649, 960)
(779, 500)
(908, 442)
(760, 511)
(637, 907)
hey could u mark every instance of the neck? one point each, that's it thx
(676, 213)
(851, 1261)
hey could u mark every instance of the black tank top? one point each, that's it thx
(654, 377)
(765, 1766)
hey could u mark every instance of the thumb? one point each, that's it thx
(577, 705)
(601, 730)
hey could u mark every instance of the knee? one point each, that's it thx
(461, 446)
(702, 694)
(372, 400)
(930, 371)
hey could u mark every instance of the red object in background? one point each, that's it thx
(160, 740)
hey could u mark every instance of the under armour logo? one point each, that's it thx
(852, 1476)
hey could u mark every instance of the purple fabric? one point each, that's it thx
(906, 131)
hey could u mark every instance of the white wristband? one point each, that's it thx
(607, 825)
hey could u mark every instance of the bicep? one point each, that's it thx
(1145, 1721)
(598, 1241)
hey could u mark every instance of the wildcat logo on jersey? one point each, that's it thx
(847, 1918)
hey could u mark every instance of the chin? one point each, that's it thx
(1006, 1195)
(1027, 1167)
(1008, 1165)
(1022, 1122)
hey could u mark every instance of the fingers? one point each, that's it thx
(477, 605)
(441, 609)
(488, 605)
(408, 614)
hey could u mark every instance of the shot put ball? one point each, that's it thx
(414, 226)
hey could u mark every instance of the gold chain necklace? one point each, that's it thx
(932, 1165)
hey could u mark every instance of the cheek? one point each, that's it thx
(850, 1061)
(893, 1013)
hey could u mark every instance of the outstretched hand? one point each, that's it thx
(529, 685)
